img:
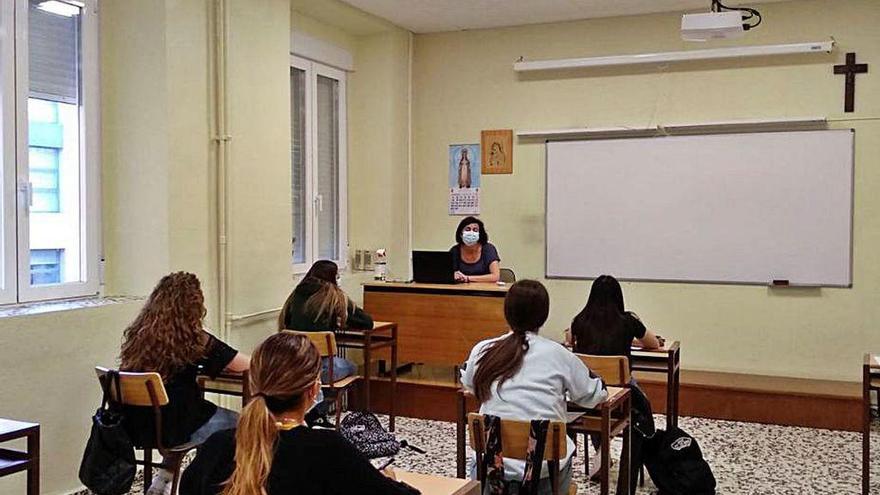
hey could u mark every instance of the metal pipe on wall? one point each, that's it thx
(218, 113)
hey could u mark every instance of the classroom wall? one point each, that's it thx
(378, 181)
(464, 82)
(259, 201)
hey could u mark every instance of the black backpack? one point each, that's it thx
(367, 434)
(676, 464)
(108, 465)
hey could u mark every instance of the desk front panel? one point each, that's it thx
(438, 327)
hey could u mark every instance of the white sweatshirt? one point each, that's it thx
(550, 376)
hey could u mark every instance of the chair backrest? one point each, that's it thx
(515, 438)
(324, 341)
(614, 370)
(135, 388)
(508, 276)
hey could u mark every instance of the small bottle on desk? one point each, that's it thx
(379, 265)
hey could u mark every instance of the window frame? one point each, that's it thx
(89, 155)
(8, 262)
(312, 70)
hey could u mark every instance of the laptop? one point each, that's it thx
(432, 267)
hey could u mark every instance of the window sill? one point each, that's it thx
(41, 307)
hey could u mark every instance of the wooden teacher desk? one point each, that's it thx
(438, 323)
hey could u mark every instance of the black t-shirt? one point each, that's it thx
(186, 410)
(306, 462)
(615, 339)
(488, 254)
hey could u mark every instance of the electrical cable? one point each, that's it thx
(717, 6)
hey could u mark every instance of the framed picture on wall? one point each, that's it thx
(497, 148)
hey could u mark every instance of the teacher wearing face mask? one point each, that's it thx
(474, 259)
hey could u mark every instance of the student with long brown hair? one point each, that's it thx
(169, 338)
(524, 376)
(273, 452)
(317, 304)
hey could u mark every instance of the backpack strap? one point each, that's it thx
(493, 459)
(535, 457)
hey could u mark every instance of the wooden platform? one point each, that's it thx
(834, 405)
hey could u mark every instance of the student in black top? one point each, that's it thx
(474, 258)
(302, 312)
(604, 327)
(168, 337)
(317, 304)
(273, 452)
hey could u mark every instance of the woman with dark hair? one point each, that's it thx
(273, 452)
(604, 327)
(524, 376)
(317, 304)
(169, 338)
(474, 258)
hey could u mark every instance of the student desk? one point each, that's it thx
(383, 335)
(870, 381)
(438, 485)
(234, 384)
(608, 419)
(439, 324)
(667, 360)
(14, 461)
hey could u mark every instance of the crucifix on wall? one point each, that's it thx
(850, 68)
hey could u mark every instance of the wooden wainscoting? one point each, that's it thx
(757, 399)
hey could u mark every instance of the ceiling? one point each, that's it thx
(336, 13)
(429, 16)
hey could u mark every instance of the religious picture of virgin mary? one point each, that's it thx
(464, 166)
(497, 149)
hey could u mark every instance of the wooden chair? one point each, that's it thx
(515, 439)
(147, 390)
(326, 344)
(615, 372)
(508, 276)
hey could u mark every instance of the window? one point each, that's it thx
(48, 115)
(46, 266)
(318, 161)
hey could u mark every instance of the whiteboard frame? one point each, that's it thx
(769, 283)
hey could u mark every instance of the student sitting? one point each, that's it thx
(273, 452)
(604, 327)
(317, 304)
(168, 337)
(524, 376)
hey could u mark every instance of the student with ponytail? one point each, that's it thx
(524, 376)
(273, 452)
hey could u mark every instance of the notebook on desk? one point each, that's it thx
(432, 267)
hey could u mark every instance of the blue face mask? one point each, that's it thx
(469, 237)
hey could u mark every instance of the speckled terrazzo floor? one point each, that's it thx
(746, 458)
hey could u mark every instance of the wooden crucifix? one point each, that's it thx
(850, 68)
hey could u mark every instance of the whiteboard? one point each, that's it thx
(728, 208)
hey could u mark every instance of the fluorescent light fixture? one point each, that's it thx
(683, 56)
(61, 8)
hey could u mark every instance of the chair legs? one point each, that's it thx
(148, 469)
(338, 406)
(173, 463)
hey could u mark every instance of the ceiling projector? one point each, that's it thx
(712, 26)
(720, 23)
